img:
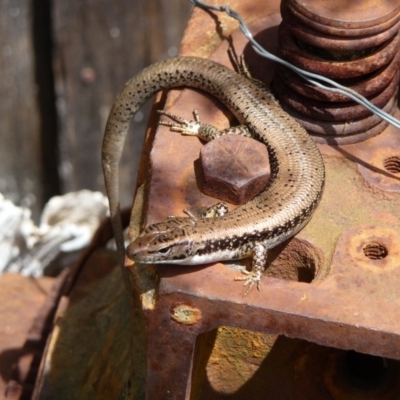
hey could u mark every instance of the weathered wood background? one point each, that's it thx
(61, 65)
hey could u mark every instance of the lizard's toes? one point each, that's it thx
(251, 278)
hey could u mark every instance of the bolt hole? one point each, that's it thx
(392, 164)
(365, 368)
(375, 251)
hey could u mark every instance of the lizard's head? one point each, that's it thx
(164, 242)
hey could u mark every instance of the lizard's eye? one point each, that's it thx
(165, 250)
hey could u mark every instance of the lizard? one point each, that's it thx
(279, 212)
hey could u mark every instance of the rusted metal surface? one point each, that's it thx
(337, 140)
(344, 310)
(89, 350)
(337, 13)
(13, 391)
(353, 27)
(351, 59)
(336, 112)
(337, 123)
(308, 34)
(21, 330)
(367, 86)
(341, 43)
(380, 165)
(326, 373)
(349, 298)
(339, 129)
(234, 168)
(291, 51)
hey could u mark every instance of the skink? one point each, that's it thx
(280, 211)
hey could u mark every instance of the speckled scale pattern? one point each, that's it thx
(297, 170)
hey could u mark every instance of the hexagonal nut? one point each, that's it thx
(234, 168)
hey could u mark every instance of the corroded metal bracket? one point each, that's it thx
(345, 310)
(335, 284)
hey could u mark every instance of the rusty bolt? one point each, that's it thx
(186, 314)
(234, 168)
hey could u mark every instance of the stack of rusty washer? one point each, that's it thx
(356, 44)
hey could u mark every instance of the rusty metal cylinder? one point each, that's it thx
(355, 43)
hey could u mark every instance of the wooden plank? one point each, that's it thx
(20, 152)
(99, 46)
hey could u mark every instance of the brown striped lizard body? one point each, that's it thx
(280, 211)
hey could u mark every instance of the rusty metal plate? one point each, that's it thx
(89, 350)
(334, 284)
(21, 300)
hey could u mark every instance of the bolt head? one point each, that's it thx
(234, 168)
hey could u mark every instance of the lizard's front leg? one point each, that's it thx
(197, 128)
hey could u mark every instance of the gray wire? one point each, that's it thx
(314, 79)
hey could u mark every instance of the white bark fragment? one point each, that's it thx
(67, 225)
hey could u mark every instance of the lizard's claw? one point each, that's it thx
(253, 277)
(182, 125)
